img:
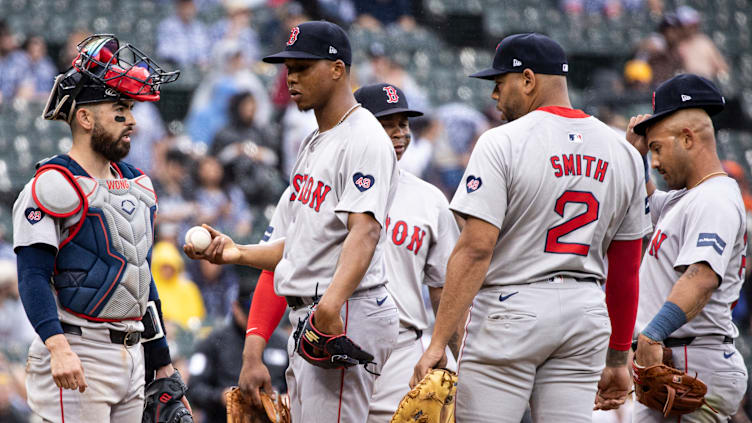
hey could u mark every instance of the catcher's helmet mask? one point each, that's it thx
(105, 70)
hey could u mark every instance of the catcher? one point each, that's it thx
(700, 236)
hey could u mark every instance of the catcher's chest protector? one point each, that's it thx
(102, 269)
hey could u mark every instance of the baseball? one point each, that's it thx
(199, 237)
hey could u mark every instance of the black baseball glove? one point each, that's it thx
(162, 401)
(328, 351)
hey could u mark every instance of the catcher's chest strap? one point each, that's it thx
(698, 340)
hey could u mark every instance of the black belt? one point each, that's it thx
(298, 302)
(116, 337)
(680, 342)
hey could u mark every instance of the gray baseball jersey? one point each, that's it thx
(704, 224)
(280, 218)
(420, 235)
(560, 190)
(350, 168)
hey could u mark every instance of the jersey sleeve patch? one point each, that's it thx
(363, 182)
(268, 233)
(33, 215)
(709, 239)
(473, 183)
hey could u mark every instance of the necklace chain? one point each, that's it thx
(709, 175)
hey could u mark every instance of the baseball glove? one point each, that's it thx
(430, 401)
(669, 390)
(162, 402)
(241, 410)
(328, 351)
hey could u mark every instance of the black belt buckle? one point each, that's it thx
(295, 302)
(128, 339)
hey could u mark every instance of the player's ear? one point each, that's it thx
(688, 138)
(528, 81)
(84, 118)
(339, 70)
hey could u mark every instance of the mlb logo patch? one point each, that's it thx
(33, 215)
(575, 138)
(363, 182)
(472, 183)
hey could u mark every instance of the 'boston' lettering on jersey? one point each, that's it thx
(577, 164)
(304, 192)
(399, 235)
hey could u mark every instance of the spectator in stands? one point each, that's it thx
(375, 14)
(181, 298)
(173, 185)
(609, 8)
(209, 107)
(220, 205)
(638, 75)
(40, 71)
(236, 27)
(181, 38)
(215, 364)
(659, 49)
(15, 329)
(13, 65)
(249, 154)
(218, 285)
(698, 53)
(382, 68)
(736, 171)
(13, 407)
(425, 133)
(68, 52)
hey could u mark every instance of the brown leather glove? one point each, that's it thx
(241, 410)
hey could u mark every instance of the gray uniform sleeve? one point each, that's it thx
(31, 225)
(657, 201)
(279, 220)
(482, 193)
(636, 223)
(438, 254)
(366, 178)
(710, 229)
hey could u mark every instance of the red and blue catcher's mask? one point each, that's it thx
(105, 70)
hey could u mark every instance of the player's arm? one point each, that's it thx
(434, 294)
(223, 250)
(267, 309)
(357, 251)
(688, 297)
(35, 267)
(466, 271)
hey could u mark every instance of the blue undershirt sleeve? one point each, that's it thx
(36, 264)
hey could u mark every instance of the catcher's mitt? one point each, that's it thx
(328, 351)
(241, 410)
(162, 402)
(669, 390)
(430, 401)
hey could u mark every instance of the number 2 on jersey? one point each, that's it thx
(553, 245)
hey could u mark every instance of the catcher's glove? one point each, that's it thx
(328, 351)
(162, 402)
(241, 410)
(669, 390)
(430, 401)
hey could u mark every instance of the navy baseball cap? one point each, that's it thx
(518, 52)
(315, 40)
(384, 99)
(683, 92)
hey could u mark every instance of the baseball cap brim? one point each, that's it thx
(489, 74)
(641, 128)
(281, 56)
(408, 112)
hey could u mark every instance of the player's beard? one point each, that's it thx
(113, 149)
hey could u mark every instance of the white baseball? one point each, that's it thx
(199, 237)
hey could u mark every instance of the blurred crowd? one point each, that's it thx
(227, 160)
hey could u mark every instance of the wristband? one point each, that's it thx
(669, 318)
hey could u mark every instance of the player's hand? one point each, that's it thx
(166, 371)
(432, 358)
(613, 388)
(67, 371)
(327, 319)
(638, 141)
(221, 250)
(649, 352)
(254, 377)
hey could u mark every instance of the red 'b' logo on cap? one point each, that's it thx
(391, 94)
(653, 101)
(293, 36)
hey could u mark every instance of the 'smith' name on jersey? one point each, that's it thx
(399, 232)
(304, 191)
(579, 164)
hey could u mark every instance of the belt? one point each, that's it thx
(298, 302)
(680, 342)
(128, 339)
